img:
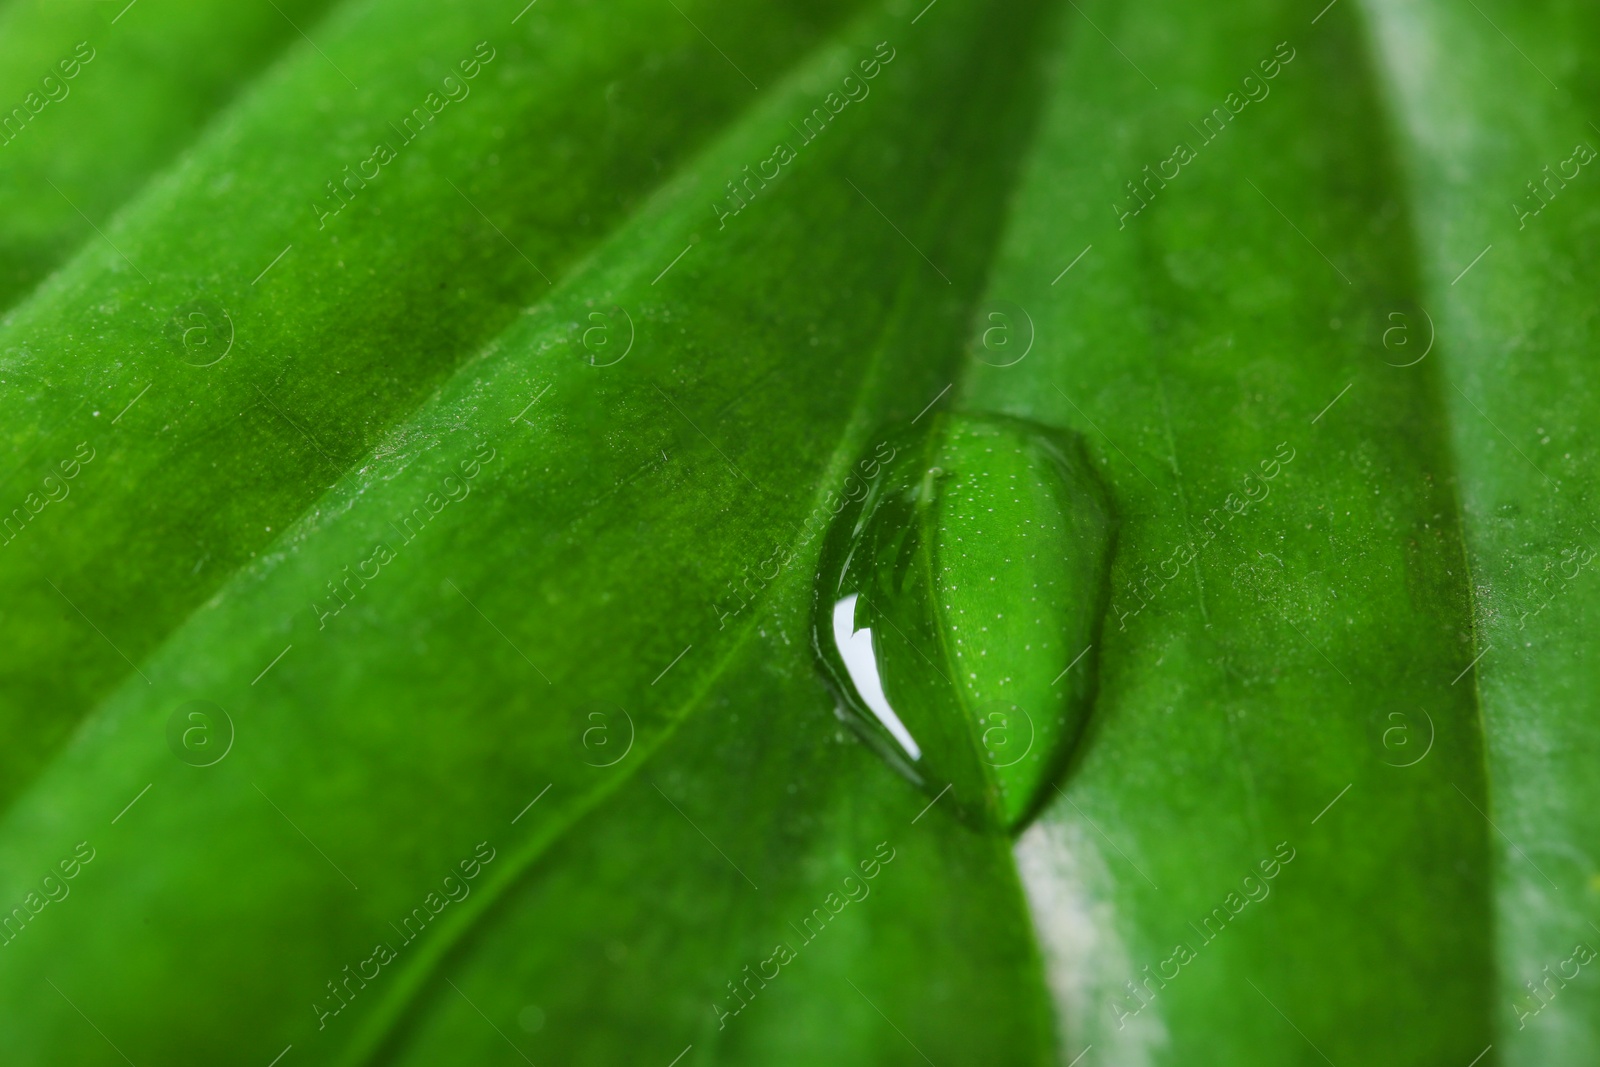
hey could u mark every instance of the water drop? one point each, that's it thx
(959, 596)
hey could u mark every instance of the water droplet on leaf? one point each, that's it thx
(959, 595)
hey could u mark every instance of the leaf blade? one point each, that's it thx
(141, 88)
(1506, 249)
(1289, 568)
(217, 453)
(880, 295)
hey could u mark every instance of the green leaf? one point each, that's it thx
(234, 347)
(646, 483)
(1289, 572)
(1258, 655)
(1501, 97)
(430, 677)
(95, 97)
(617, 973)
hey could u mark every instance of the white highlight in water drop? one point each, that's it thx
(855, 648)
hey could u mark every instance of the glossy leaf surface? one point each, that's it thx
(499, 652)
(409, 615)
(1289, 586)
(96, 97)
(250, 329)
(1508, 217)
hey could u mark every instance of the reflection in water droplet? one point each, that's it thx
(960, 593)
(855, 646)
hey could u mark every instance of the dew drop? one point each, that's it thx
(989, 716)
